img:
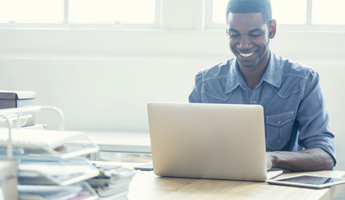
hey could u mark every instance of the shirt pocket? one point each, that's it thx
(278, 129)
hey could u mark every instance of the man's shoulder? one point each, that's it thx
(221, 70)
(293, 68)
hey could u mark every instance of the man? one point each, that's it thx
(298, 136)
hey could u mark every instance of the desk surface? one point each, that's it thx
(146, 185)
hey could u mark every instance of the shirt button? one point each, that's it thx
(279, 122)
(254, 101)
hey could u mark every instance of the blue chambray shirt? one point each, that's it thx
(294, 107)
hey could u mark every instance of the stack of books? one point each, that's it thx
(112, 182)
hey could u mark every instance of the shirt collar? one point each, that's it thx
(272, 75)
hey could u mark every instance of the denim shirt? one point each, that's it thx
(294, 107)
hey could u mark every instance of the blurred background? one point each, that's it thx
(102, 61)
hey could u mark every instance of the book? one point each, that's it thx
(79, 191)
(114, 194)
(59, 172)
(48, 192)
(112, 177)
(112, 181)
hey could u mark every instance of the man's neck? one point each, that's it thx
(253, 76)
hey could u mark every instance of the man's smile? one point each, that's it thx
(246, 54)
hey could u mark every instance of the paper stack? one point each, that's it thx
(112, 182)
(51, 164)
(55, 179)
(53, 192)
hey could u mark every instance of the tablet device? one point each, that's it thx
(146, 167)
(311, 181)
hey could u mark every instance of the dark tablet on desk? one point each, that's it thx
(310, 181)
(146, 167)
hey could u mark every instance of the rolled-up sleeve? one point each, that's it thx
(313, 118)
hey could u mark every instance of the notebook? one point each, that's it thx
(211, 141)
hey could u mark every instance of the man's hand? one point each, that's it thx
(312, 159)
(268, 160)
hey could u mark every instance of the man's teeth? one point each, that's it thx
(246, 54)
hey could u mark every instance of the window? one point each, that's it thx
(218, 11)
(112, 11)
(38, 11)
(291, 12)
(207, 14)
(80, 12)
(328, 12)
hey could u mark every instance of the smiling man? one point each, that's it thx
(298, 136)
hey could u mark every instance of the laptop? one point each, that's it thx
(209, 141)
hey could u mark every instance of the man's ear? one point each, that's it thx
(272, 28)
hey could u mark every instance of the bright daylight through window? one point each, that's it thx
(324, 12)
(144, 12)
(112, 11)
(328, 12)
(29, 11)
(78, 11)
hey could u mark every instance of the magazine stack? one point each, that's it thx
(112, 182)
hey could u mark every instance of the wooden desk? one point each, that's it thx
(146, 185)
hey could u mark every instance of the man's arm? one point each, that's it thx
(195, 95)
(312, 159)
(314, 134)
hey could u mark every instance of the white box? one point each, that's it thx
(17, 99)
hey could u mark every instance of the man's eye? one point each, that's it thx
(255, 35)
(234, 35)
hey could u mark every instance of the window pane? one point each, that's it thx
(329, 12)
(31, 11)
(112, 11)
(219, 11)
(282, 10)
(289, 11)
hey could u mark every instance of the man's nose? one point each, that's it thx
(244, 43)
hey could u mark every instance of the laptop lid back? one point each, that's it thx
(214, 141)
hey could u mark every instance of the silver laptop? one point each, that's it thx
(211, 141)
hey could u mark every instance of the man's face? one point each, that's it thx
(249, 38)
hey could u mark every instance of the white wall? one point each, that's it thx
(103, 79)
(115, 73)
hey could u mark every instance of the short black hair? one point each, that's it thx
(251, 6)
